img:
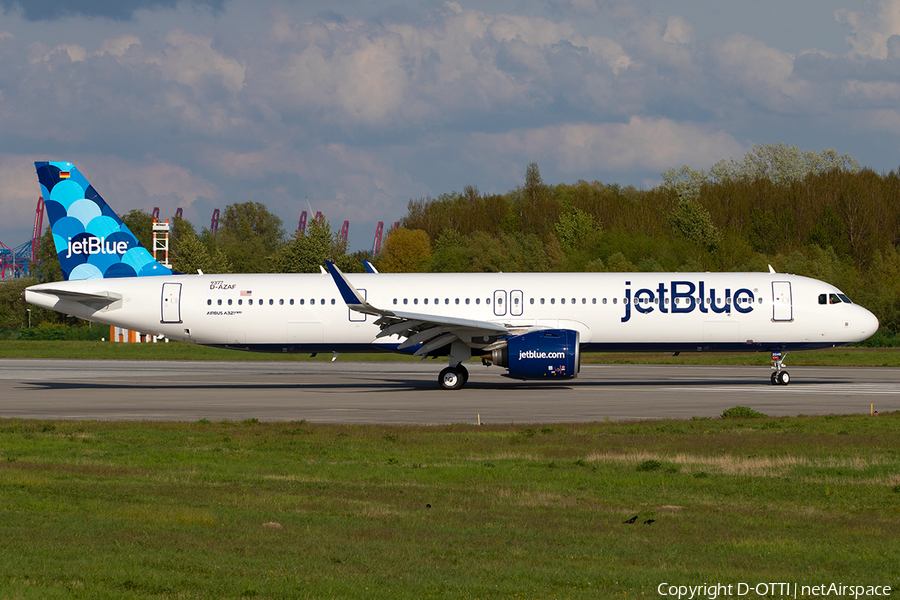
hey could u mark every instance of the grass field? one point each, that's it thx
(867, 357)
(299, 510)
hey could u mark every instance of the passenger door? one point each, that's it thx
(782, 306)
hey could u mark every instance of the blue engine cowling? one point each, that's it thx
(543, 354)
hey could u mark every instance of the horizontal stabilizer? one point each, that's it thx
(101, 298)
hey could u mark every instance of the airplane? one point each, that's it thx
(535, 325)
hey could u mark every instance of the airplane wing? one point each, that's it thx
(433, 332)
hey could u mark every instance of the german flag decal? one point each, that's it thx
(63, 174)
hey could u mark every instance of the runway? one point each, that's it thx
(355, 392)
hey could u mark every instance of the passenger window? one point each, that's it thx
(425, 300)
(302, 301)
(250, 301)
(467, 300)
(332, 301)
(219, 302)
(561, 301)
(552, 300)
(477, 300)
(240, 301)
(292, 301)
(281, 301)
(312, 301)
(209, 302)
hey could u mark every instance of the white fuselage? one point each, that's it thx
(611, 311)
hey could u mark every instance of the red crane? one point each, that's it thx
(214, 223)
(38, 229)
(345, 233)
(376, 247)
(301, 227)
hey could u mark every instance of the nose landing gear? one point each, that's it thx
(779, 376)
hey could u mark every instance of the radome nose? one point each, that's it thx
(867, 322)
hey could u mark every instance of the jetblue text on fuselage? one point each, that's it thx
(523, 354)
(95, 245)
(681, 297)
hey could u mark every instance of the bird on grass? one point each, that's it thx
(648, 521)
(631, 520)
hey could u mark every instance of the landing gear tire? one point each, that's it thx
(453, 378)
(464, 372)
(781, 378)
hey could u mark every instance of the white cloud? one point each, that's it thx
(405, 74)
(190, 59)
(872, 31)
(74, 52)
(761, 73)
(884, 94)
(640, 144)
(118, 45)
(678, 31)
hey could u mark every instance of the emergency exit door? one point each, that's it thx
(171, 303)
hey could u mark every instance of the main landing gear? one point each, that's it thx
(779, 376)
(453, 378)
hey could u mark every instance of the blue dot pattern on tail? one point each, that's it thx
(91, 240)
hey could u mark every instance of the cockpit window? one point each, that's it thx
(833, 299)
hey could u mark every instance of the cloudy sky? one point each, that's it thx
(353, 107)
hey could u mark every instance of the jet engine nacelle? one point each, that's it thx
(543, 354)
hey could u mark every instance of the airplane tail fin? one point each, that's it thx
(91, 240)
